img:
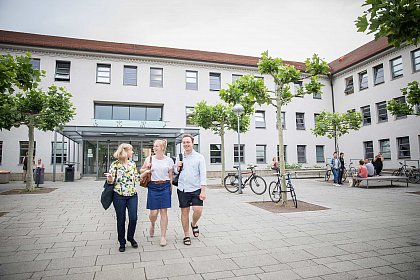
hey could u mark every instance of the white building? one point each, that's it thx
(133, 93)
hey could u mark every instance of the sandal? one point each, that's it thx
(195, 230)
(187, 241)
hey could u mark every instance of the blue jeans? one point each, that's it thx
(335, 172)
(120, 204)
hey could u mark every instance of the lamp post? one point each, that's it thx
(239, 109)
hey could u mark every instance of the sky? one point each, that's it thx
(292, 30)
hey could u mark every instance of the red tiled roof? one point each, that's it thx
(359, 54)
(46, 41)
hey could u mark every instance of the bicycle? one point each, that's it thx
(404, 170)
(275, 190)
(328, 172)
(257, 183)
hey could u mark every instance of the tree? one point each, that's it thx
(335, 125)
(412, 97)
(399, 20)
(249, 91)
(219, 118)
(22, 102)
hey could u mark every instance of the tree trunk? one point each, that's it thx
(222, 141)
(29, 172)
(281, 152)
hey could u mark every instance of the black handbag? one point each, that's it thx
(108, 193)
(176, 176)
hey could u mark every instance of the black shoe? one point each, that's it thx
(134, 243)
(122, 248)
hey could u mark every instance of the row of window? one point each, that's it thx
(403, 148)
(381, 112)
(261, 153)
(396, 68)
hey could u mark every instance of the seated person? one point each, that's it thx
(361, 173)
(275, 164)
(370, 168)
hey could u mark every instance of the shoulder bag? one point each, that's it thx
(144, 181)
(175, 178)
(108, 192)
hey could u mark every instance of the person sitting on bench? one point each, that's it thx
(361, 173)
(370, 168)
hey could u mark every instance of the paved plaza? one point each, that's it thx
(365, 234)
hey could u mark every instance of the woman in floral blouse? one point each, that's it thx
(125, 173)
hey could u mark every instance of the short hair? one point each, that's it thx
(121, 152)
(163, 143)
(188, 135)
(334, 153)
(341, 153)
(361, 162)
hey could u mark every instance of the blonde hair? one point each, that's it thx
(121, 152)
(163, 143)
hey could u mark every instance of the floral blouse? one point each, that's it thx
(126, 177)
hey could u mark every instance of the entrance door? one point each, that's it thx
(105, 156)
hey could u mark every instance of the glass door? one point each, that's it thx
(105, 156)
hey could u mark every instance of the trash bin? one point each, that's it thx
(39, 175)
(69, 173)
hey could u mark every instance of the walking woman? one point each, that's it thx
(125, 174)
(159, 189)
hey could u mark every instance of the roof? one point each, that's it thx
(56, 42)
(367, 50)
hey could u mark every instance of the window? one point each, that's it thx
(36, 63)
(215, 83)
(156, 77)
(403, 147)
(61, 151)
(396, 67)
(368, 148)
(188, 115)
(261, 153)
(320, 153)
(317, 95)
(384, 148)
(285, 153)
(300, 121)
(103, 73)
(24, 148)
(129, 112)
(298, 88)
(415, 58)
(62, 70)
(378, 74)
(259, 119)
(1, 152)
(382, 112)
(235, 77)
(400, 99)
(130, 75)
(363, 80)
(367, 120)
(191, 80)
(315, 116)
(301, 153)
(349, 86)
(215, 153)
(235, 153)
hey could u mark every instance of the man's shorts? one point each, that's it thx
(187, 199)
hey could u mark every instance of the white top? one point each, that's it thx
(160, 168)
(193, 174)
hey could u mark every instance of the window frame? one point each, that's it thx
(23, 149)
(36, 63)
(368, 150)
(241, 154)
(59, 155)
(126, 78)
(375, 74)
(392, 66)
(235, 77)
(62, 74)
(188, 85)
(400, 117)
(156, 79)
(188, 112)
(365, 118)
(347, 88)
(317, 156)
(130, 107)
(263, 122)
(413, 60)
(217, 158)
(399, 144)
(98, 76)
(259, 159)
(300, 126)
(317, 95)
(378, 111)
(212, 76)
(385, 154)
(299, 159)
(363, 80)
(285, 153)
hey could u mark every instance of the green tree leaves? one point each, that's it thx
(412, 97)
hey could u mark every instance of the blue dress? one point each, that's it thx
(158, 196)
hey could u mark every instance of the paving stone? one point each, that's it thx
(20, 276)
(259, 260)
(71, 262)
(385, 269)
(338, 276)
(170, 270)
(18, 258)
(312, 271)
(58, 255)
(126, 274)
(79, 276)
(288, 256)
(370, 262)
(398, 258)
(409, 275)
(46, 273)
(247, 271)
(213, 266)
(279, 275)
(160, 255)
(116, 259)
(22, 267)
(198, 252)
(217, 275)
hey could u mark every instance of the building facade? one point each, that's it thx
(135, 94)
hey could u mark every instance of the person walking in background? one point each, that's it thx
(191, 187)
(378, 163)
(124, 173)
(341, 170)
(370, 168)
(159, 189)
(335, 167)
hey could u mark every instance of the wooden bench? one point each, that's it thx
(382, 178)
(310, 173)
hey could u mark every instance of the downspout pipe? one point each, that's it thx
(333, 105)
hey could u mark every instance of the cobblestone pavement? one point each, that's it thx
(366, 234)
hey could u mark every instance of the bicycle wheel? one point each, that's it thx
(352, 171)
(274, 191)
(292, 194)
(411, 176)
(344, 178)
(396, 173)
(327, 175)
(231, 183)
(258, 185)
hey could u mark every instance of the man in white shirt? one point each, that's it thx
(370, 168)
(191, 186)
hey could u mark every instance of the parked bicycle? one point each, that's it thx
(411, 173)
(257, 183)
(352, 170)
(275, 190)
